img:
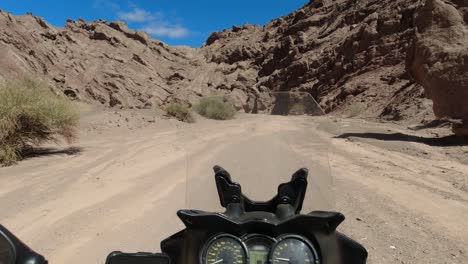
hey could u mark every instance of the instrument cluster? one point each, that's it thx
(258, 249)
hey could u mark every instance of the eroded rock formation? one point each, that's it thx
(438, 59)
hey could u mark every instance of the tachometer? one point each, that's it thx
(293, 249)
(225, 249)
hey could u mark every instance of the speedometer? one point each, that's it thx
(225, 249)
(293, 249)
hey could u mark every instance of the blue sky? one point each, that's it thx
(176, 22)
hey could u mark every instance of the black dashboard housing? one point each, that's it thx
(318, 227)
(274, 218)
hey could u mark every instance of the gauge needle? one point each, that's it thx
(218, 261)
(283, 259)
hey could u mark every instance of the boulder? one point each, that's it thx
(438, 58)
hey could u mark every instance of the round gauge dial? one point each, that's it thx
(259, 248)
(293, 250)
(225, 249)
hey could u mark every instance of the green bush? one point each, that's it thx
(215, 108)
(180, 111)
(31, 114)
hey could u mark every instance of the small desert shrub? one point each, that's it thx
(31, 114)
(180, 111)
(297, 109)
(215, 108)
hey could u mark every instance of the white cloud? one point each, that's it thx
(154, 23)
(164, 29)
(136, 15)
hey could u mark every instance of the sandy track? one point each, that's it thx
(122, 191)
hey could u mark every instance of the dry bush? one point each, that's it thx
(215, 108)
(31, 114)
(180, 111)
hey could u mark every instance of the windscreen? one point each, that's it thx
(260, 151)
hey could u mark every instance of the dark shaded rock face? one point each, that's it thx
(438, 59)
(346, 53)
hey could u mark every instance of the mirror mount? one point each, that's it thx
(287, 202)
(7, 249)
(22, 254)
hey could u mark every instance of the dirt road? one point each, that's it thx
(119, 190)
